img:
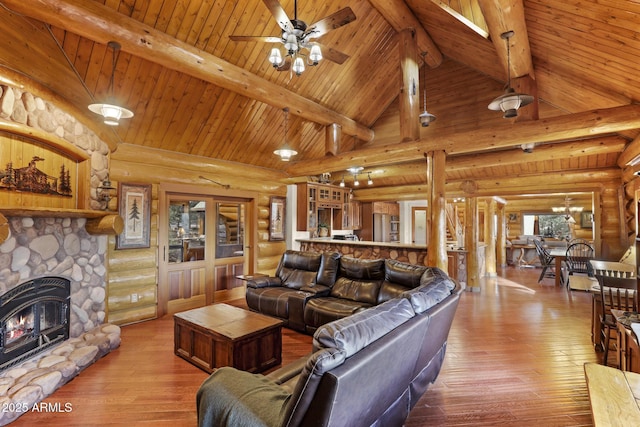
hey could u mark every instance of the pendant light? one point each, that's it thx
(426, 117)
(285, 152)
(110, 111)
(510, 101)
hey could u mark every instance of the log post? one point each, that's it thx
(471, 236)
(501, 249)
(490, 236)
(436, 219)
(108, 224)
(332, 139)
(409, 87)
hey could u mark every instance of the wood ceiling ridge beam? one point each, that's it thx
(103, 24)
(586, 124)
(508, 15)
(400, 17)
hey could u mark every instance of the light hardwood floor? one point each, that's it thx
(515, 358)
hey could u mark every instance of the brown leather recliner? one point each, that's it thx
(299, 276)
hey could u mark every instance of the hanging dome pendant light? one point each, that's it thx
(426, 117)
(510, 101)
(285, 152)
(110, 111)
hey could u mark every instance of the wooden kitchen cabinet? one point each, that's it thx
(318, 201)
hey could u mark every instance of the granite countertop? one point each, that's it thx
(370, 243)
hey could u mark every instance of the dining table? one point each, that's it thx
(559, 254)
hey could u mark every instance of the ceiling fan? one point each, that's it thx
(297, 36)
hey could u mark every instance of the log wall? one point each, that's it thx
(136, 270)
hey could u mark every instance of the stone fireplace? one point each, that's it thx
(33, 317)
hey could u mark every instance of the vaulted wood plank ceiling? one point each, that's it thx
(580, 57)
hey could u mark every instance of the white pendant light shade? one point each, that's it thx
(291, 44)
(298, 66)
(315, 55)
(110, 111)
(285, 153)
(275, 57)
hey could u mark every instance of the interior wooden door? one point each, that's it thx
(187, 245)
(230, 252)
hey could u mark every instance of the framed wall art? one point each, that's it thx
(134, 201)
(276, 218)
(586, 219)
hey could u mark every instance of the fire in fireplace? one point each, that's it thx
(33, 316)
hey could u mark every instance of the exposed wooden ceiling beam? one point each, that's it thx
(102, 24)
(398, 14)
(589, 180)
(554, 129)
(508, 15)
(558, 151)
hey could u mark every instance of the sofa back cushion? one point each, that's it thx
(329, 266)
(359, 280)
(398, 278)
(297, 269)
(352, 333)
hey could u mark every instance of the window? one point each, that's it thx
(546, 225)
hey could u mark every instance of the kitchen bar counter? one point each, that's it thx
(405, 252)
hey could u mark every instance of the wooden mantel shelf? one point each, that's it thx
(98, 222)
(12, 211)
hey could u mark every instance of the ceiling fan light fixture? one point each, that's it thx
(315, 55)
(291, 43)
(275, 57)
(298, 66)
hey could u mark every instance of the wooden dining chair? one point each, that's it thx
(577, 260)
(547, 261)
(618, 291)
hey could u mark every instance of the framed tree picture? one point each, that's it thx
(276, 218)
(134, 201)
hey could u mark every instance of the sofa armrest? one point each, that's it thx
(231, 398)
(317, 290)
(264, 282)
(291, 370)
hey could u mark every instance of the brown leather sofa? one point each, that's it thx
(311, 289)
(366, 369)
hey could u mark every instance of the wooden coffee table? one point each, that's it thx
(223, 335)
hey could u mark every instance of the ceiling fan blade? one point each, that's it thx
(331, 22)
(278, 12)
(266, 39)
(286, 65)
(332, 54)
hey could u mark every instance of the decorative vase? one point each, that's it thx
(323, 232)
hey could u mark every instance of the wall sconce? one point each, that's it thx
(106, 192)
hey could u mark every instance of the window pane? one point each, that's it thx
(186, 230)
(230, 237)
